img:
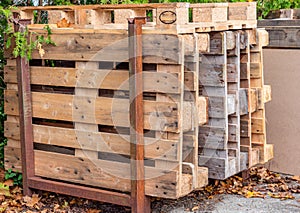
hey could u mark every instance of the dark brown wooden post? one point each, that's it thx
(25, 110)
(140, 203)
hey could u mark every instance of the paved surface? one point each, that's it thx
(236, 204)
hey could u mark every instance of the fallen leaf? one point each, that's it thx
(296, 178)
(195, 208)
(4, 190)
(63, 23)
(9, 182)
(31, 201)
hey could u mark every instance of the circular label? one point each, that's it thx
(167, 17)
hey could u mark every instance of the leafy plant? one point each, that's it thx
(15, 176)
(264, 7)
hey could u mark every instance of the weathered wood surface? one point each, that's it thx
(101, 78)
(158, 115)
(110, 46)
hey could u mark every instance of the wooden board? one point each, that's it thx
(74, 108)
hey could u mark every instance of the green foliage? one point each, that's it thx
(3, 26)
(264, 7)
(15, 176)
(25, 44)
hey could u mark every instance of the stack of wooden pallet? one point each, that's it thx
(231, 76)
(204, 96)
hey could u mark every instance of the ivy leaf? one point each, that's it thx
(4, 190)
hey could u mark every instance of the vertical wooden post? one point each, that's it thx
(139, 201)
(25, 110)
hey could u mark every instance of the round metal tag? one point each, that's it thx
(167, 17)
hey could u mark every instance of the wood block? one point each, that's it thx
(210, 12)
(169, 17)
(290, 13)
(217, 43)
(255, 70)
(243, 161)
(262, 38)
(27, 14)
(232, 73)
(245, 128)
(213, 137)
(269, 152)
(258, 125)
(202, 177)
(242, 11)
(212, 75)
(255, 153)
(100, 17)
(203, 42)
(231, 104)
(267, 93)
(12, 158)
(121, 15)
(202, 108)
(244, 100)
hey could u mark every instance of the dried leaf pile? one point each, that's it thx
(261, 183)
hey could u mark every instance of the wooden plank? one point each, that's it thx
(101, 173)
(85, 192)
(90, 93)
(96, 110)
(95, 78)
(103, 142)
(109, 46)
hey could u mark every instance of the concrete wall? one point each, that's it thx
(282, 72)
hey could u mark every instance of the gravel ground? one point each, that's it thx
(236, 203)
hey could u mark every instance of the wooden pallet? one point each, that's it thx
(282, 33)
(231, 78)
(173, 17)
(80, 112)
